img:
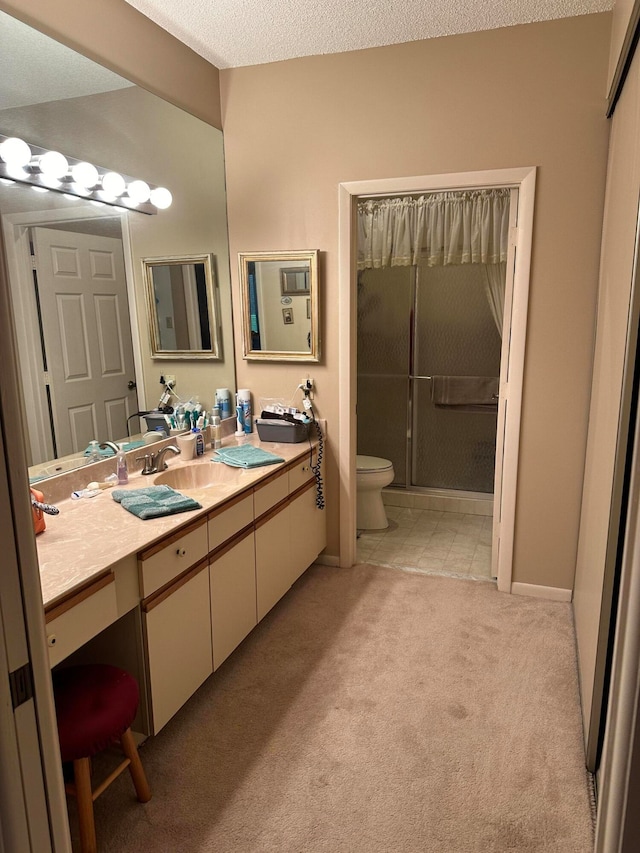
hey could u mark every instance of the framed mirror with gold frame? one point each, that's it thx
(280, 305)
(181, 305)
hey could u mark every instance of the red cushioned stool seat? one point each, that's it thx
(95, 706)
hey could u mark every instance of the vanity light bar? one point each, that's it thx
(45, 170)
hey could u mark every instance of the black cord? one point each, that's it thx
(135, 415)
(317, 467)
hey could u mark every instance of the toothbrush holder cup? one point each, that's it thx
(187, 445)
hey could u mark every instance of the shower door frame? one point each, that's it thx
(512, 368)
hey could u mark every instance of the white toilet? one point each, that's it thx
(372, 475)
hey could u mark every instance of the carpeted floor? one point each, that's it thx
(374, 710)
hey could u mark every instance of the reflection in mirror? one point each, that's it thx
(88, 379)
(280, 305)
(182, 314)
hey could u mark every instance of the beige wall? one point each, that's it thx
(522, 96)
(122, 39)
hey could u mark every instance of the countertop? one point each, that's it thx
(91, 534)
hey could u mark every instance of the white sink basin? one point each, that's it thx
(200, 475)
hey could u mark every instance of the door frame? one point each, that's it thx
(524, 179)
(16, 228)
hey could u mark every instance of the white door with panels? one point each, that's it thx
(86, 331)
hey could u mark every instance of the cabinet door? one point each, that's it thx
(308, 529)
(273, 561)
(178, 634)
(233, 595)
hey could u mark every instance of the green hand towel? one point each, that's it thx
(154, 501)
(246, 456)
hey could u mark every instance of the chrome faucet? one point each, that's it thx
(111, 444)
(154, 462)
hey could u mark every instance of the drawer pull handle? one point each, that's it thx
(181, 552)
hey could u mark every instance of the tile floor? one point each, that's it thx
(430, 541)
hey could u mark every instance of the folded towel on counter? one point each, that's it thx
(246, 456)
(154, 501)
(107, 451)
(465, 393)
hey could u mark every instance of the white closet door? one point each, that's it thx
(87, 336)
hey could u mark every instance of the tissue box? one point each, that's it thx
(272, 429)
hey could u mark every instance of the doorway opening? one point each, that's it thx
(521, 183)
(428, 376)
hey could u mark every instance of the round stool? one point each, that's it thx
(95, 706)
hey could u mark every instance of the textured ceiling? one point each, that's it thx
(230, 33)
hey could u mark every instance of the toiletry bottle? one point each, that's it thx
(223, 401)
(121, 466)
(216, 433)
(244, 400)
(199, 442)
(94, 452)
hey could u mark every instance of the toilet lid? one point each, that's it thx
(372, 463)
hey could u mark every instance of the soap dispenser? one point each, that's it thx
(94, 452)
(122, 472)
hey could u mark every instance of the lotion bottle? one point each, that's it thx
(216, 433)
(122, 472)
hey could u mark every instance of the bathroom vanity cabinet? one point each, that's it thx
(192, 596)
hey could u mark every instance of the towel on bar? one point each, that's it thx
(154, 501)
(246, 456)
(465, 393)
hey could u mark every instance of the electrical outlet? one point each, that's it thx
(170, 379)
(307, 384)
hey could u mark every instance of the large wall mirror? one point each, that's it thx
(280, 305)
(182, 313)
(85, 353)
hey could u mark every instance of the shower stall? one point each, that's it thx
(430, 301)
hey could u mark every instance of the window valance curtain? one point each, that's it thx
(436, 229)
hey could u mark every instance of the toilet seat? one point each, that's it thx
(366, 464)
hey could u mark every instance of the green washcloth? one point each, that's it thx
(246, 456)
(154, 501)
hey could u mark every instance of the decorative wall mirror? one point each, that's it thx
(181, 305)
(280, 305)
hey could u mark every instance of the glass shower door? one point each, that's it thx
(454, 335)
(385, 303)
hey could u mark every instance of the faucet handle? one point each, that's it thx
(149, 463)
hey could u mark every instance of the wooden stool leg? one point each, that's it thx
(84, 796)
(136, 769)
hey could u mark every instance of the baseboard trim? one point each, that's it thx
(328, 560)
(553, 593)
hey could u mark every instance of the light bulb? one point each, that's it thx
(138, 191)
(113, 184)
(85, 174)
(53, 164)
(15, 152)
(161, 197)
